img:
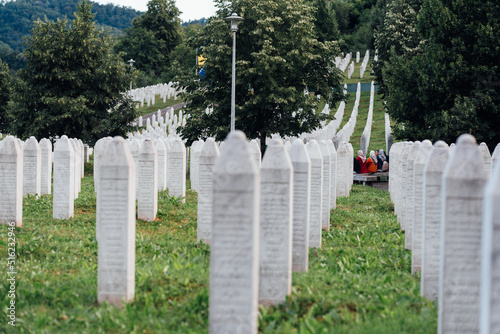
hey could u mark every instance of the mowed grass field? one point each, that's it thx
(358, 282)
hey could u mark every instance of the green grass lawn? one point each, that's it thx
(158, 105)
(358, 282)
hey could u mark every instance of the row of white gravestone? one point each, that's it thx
(35, 162)
(263, 222)
(160, 165)
(454, 228)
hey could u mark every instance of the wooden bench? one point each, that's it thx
(369, 178)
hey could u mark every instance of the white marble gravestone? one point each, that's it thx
(64, 179)
(194, 169)
(31, 167)
(316, 207)
(135, 148)
(418, 177)
(276, 213)
(490, 263)
(404, 185)
(116, 225)
(495, 157)
(99, 150)
(325, 215)
(147, 201)
(301, 205)
(234, 253)
(410, 201)
(342, 169)
(350, 169)
(208, 156)
(464, 179)
(11, 181)
(177, 170)
(431, 219)
(333, 175)
(256, 153)
(486, 156)
(45, 166)
(162, 164)
(76, 166)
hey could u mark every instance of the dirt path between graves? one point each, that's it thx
(163, 111)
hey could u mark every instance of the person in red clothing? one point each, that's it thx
(371, 163)
(362, 162)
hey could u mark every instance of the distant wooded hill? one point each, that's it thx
(16, 17)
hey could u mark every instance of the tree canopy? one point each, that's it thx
(448, 84)
(279, 59)
(72, 83)
(5, 89)
(152, 38)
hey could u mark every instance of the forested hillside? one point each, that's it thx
(16, 21)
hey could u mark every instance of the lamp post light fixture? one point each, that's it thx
(235, 19)
(131, 63)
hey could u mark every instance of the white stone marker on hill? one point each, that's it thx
(301, 205)
(490, 265)
(404, 185)
(45, 166)
(342, 169)
(162, 164)
(410, 201)
(135, 148)
(11, 181)
(431, 223)
(208, 156)
(486, 156)
(194, 170)
(316, 207)
(325, 215)
(116, 244)
(495, 157)
(256, 153)
(418, 174)
(276, 213)
(31, 167)
(76, 157)
(350, 169)
(177, 170)
(234, 254)
(333, 175)
(147, 202)
(64, 179)
(464, 179)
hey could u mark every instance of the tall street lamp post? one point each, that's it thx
(235, 19)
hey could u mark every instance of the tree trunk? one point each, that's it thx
(263, 135)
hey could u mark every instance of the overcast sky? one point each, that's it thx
(191, 9)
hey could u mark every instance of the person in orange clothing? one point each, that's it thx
(371, 163)
(362, 162)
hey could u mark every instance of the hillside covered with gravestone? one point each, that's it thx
(357, 194)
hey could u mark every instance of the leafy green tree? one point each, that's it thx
(397, 36)
(451, 86)
(152, 38)
(325, 21)
(5, 84)
(278, 59)
(72, 83)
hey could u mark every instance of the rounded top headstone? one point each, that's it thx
(298, 152)
(314, 150)
(117, 154)
(209, 148)
(466, 139)
(440, 144)
(276, 157)
(10, 146)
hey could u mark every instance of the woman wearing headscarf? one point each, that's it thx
(371, 163)
(385, 162)
(362, 162)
